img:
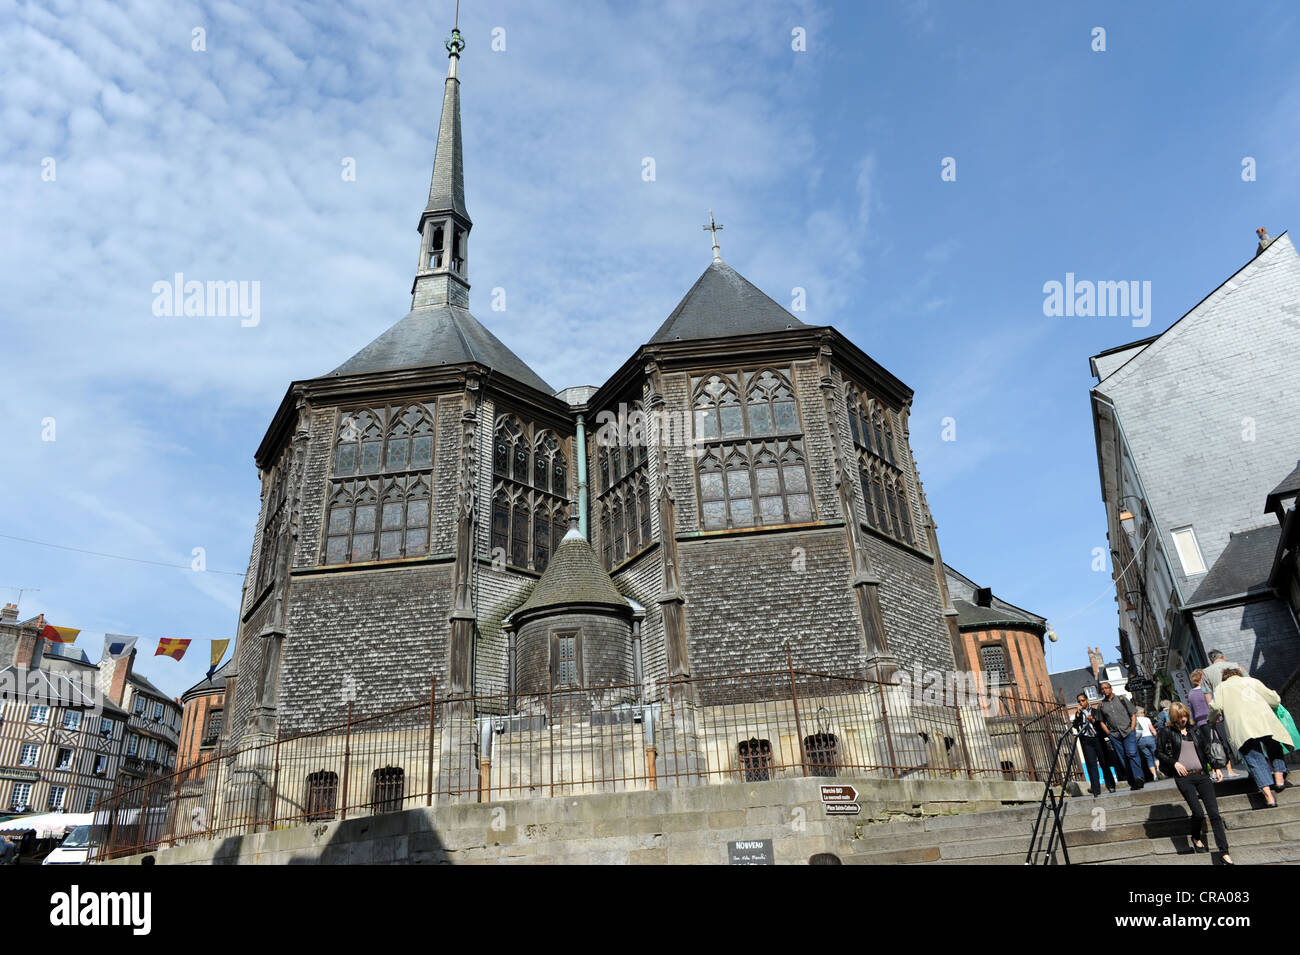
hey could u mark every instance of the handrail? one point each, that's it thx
(1055, 804)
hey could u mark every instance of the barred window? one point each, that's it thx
(744, 482)
(885, 493)
(993, 661)
(322, 796)
(530, 484)
(387, 789)
(213, 731)
(821, 752)
(380, 492)
(755, 757)
(566, 669)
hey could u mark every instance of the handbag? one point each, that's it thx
(1218, 756)
(1288, 724)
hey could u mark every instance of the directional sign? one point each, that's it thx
(842, 809)
(839, 794)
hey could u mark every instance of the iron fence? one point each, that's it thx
(746, 728)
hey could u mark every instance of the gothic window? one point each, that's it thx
(531, 477)
(750, 483)
(885, 495)
(380, 491)
(755, 757)
(273, 527)
(322, 795)
(387, 789)
(821, 752)
(624, 501)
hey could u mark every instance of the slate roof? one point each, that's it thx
(447, 187)
(961, 590)
(723, 302)
(439, 335)
(143, 683)
(217, 683)
(574, 576)
(1244, 565)
(1070, 683)
(1289, 487)
(59, 685)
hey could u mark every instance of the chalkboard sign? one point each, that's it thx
(750, 852)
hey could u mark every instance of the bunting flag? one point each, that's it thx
(172, 647)
(117, 646)
(218, 651)
(59, 634)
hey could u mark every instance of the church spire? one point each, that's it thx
(442, 276)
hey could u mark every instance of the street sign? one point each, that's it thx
(842, 809)
(839, 794)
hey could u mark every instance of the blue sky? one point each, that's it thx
(823, 165)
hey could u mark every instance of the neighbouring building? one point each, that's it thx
(204, 708)
(153, 720)
(61, 741)
(1001, 638)
(1194, 429)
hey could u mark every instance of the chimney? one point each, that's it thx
(9, 613)
(121, 670)
(1096, 661)
(1264, 239)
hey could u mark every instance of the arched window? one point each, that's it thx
(322, 796)
(885, 492)
(624, 511)
(387, 789)
(528, 498)
(380, 518)
(643, 506)
(770, 404)
(755, 758)
(717, 408)
(821, 751)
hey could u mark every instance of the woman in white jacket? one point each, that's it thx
(1246, 706)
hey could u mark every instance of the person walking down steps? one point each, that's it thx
(1184, 757)
(1119, 719)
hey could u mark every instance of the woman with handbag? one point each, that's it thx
(1184, 758)
(1247, 708)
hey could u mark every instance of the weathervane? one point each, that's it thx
(714, 228)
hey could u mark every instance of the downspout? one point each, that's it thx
(582, 478)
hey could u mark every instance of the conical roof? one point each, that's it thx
(723, 302)
(440, 335)
(574, 576)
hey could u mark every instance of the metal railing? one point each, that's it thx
(747, 728)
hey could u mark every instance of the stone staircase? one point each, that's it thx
(1147, 827)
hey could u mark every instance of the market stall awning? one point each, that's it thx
(48, 825)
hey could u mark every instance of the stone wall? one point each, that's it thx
(689, 826)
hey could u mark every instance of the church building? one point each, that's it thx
(738, 497)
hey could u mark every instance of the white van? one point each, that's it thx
(73, 850)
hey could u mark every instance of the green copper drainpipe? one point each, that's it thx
(582, 479)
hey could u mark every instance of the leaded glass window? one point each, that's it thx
(380, 488)
(530, 488)
(886, 497)
(744, 482)
(623, 506)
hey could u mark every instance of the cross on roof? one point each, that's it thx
(714, 228)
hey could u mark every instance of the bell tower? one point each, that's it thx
(441, 272)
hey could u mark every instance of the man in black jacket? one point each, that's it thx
(1087, 723)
